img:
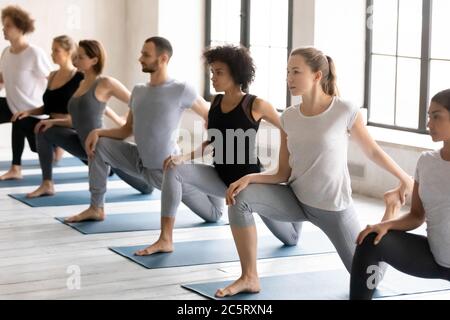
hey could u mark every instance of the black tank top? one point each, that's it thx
(56, 101)
(239, 158)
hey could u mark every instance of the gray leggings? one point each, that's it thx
(205, 179)
(278, 202)
(69, 140)
(123, 155)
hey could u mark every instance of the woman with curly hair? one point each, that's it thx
(234, 115)
(24, 69)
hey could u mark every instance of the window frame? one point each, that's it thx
(244, 38)
(424, 69)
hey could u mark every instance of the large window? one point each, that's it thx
(263, 26)
(408, 59)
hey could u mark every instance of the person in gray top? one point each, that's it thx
(154, 119)
(86, 109)
(420, 256)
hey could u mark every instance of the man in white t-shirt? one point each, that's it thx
(24, 69)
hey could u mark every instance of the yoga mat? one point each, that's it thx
(323, 285)
(143, 221)
(58, 178)
(34, 163)
(73, 198)
(219, 251)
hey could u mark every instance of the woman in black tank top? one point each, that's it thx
(61, 86)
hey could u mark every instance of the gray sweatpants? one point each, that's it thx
(278, 202)
(124, 155)
(205, 179)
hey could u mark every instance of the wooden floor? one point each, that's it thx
(36, 252)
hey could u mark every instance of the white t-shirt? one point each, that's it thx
(433, 177)
(318, 155)
(25, 77)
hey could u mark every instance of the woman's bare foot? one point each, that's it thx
(14, 173)
(58, 154)
(160, 246)
(91, 214)
(241, 285)
(46, 189)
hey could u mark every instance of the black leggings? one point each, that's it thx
(406, 252)
(20, 130)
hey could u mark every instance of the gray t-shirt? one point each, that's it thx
(433, 177)
(157, 115)
(318, 155)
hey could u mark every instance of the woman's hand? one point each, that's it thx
(20, 115)
(380, 229)
(91, 143)
(172, 162)
(236, 188)
(43, 126)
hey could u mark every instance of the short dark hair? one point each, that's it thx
(162, 45)
(94, 49)
(238, 60)
(21, 19)
(443, 98)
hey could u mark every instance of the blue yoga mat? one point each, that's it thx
(73, 198)
(34, 163)
(58, 178)
(219, 251)
(323, 285)
(143, 221)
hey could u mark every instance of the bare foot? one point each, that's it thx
(58, 154)
(91, 214)
(14, 173)
(241, 285)
(45, 190)
(160, 246)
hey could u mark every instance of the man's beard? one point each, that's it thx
(150, 69)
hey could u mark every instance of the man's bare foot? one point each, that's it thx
(58, 154)
(241, 285)
(91, 214)
(14, 173)
(46, 189)
(160, 246)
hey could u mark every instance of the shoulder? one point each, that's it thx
(345, 105)
(289, 111)
(259, 105)
(37, 51)
(5, 51)
(428, 156)
(109, 82)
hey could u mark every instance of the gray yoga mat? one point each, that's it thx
(219, 251)
(58, 178)
(34, 163)
(323, 285)
(73, 198)
(143, 221)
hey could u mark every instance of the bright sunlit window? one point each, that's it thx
(409, 61)
(263, 26)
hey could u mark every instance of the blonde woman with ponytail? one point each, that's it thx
(312, 182)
